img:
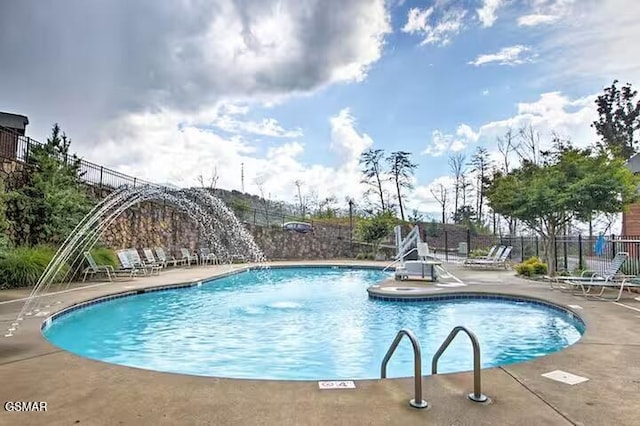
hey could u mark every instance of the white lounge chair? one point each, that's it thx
(94, 268)
(163, 258)
(137, 262)
(494, 257)
(497, 262)
(206, 256)
(188, 257)
(589, 276)
(491, 254)
(585, 287)
(151, 260)
(125, 262)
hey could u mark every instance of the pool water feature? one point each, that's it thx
(303, 324)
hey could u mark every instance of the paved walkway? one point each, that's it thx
(82, 391)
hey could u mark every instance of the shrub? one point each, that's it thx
(23, 266)
(478, 253)
(104, 256)
(532, 266)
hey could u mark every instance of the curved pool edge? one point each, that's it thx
(457, 293)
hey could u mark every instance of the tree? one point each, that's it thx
(440, 194)
(415, 216)
(506, 145)
(618, 121)
(466, 216)
(211, 182)
(53, 200)
(374, 174)
(481, 165)
(240, 207)
(568, 184)
(456, 165)
(372, 230)
(401, 169)
(303, 201)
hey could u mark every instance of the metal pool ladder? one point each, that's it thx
(417, 402)
(476, 395)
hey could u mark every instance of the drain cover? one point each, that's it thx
(564, 377)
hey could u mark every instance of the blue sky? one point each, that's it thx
(296, 90)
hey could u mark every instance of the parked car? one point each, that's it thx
(300, 227)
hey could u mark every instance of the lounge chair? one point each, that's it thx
(163, 258)
(585, 287)
(491, 254)
(125, 263)
(589, 276)
(494, 257)
(94, 268)
(136, 260)
(188, 257)
(151, 260)
(499, 261)
(206, 256)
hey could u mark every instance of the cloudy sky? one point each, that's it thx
(297, 89)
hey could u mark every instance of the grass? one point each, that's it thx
(23, 266)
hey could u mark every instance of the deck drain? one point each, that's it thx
(564, 377)
(337, 384)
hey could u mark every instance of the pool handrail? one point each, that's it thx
(476, 395)
(417, 402)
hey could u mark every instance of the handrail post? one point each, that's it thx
(417, 402)
(476, 395)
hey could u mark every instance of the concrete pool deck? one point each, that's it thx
(82, 391)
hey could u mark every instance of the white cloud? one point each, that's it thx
(487, 13)
(537, 19)
(485, 92)
(345, 139)
(265, 127)
(438, 32)
(597, 39)
(513, 55)
(444, 142)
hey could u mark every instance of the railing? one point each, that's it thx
(476, 395)
(417, 401)
(17, 147)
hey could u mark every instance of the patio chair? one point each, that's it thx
(206, 256)
(619, 285)
(125, 263)
(163, 258)
(188, 257)
(590, 276)
(480, 260)
(109, 270)
(491, 254)
(497, 262)
(151, 260)
(136, 261)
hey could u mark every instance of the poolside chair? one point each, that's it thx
(585, 287)
(163, 258)
(480, 260)
(500, 262)
(491, 253)
(206, 256)
(151, 260)
(188, 257)
(136, 261)
(109, 270)
(589, 276)
(125, 263)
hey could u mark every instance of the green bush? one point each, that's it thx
(478, 253)
(532, 266)
(104, 256)
(23, 266)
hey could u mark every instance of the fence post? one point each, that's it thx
(613, 246)
(254, 217)
(134, 182)
(446, 246)
(555, 252)
(537, 248)
(468, 241)
(101, 176)
(26, 155)
(580, 265)
(521, 248)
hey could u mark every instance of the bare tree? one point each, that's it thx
(374, 173)
(529, 147)
(456, 165)
(211, 182)
(303, 201)
(440, 194)
(481, 163)
(506, 145)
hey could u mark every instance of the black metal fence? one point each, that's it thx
(578, 252)
(17, 147)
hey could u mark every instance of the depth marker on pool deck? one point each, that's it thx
(337, 384)
(564, 377)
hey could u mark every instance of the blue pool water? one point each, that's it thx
(302, 323)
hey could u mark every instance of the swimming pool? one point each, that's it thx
(302, 324)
